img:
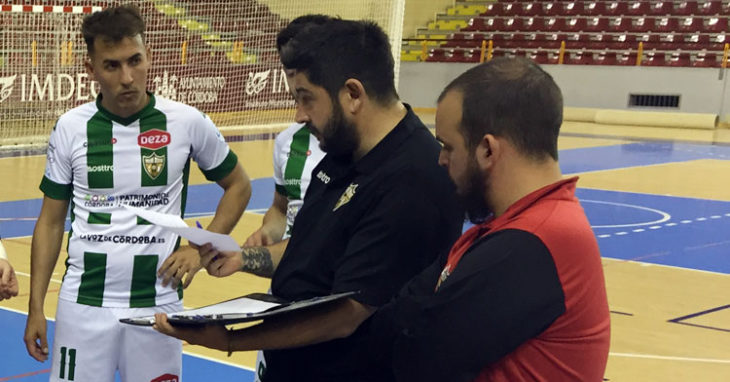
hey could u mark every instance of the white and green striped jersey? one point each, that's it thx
(296, 153)
(100, 162)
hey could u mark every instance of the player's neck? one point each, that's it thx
(382, 121)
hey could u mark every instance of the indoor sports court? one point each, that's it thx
(652, 178)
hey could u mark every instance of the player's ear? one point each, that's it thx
(354, 94)
(487, 151)
(89, 67)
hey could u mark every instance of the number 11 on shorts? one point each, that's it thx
(71, 363)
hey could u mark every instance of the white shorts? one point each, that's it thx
(90, 344)
(260, 366)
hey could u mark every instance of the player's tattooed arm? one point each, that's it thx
(258, 261)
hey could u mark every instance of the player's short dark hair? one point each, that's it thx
(332, 52)
(112, 25)
(512, 98)
(297, 25)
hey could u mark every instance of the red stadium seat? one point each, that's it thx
(530, 9)
(616, 8)
(493, 9)
(578, 41)
(691, 24)
(715, 24)
(685, 8)
(530, 24)
(660, 8)
(510, 9)
(478, 24)
(706, 60)
(610, 57)
(654, 58)
(666, 24)
(670, 41)
(619, 24)
(679, 58)
(638, 8)
(551, 8)
(594, 8)
(571, 8)
(578, 58)
(641, 25)
(549, 40)
(596, 24)
(574, 24)
(553, 24)
(543, 57)
(710, 8)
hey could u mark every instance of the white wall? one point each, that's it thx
(608, 87)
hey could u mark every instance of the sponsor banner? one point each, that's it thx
(230, 88)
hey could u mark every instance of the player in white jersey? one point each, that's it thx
(296, 153)
(127, 148)
(8, 281)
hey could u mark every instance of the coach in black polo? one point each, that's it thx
(379, 209)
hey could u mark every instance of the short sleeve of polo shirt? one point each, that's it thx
(210, 150)
(58, 176)
(502, 293)
(389, 244)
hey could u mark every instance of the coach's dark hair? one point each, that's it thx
(112, 25)
(337, 50)
(297, 25)
(511, 98)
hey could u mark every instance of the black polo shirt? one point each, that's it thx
(366, 226)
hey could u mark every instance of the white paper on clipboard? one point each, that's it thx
(195, 235)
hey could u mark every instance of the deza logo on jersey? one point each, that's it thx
(153, 139)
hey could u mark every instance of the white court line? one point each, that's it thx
(669, 358)
(664, 216)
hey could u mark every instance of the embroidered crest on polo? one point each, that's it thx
(346, 196)
(444, 275)
(153, 164)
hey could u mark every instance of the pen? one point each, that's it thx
(197, 223)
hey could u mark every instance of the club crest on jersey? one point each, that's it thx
(153, 139)
(153, 164)
(346, 196)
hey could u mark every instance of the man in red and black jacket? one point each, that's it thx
(521, 295)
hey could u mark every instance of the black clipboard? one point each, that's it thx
(279, 307)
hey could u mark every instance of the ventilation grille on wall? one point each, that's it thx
(654, 100)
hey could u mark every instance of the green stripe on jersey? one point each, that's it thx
(144, 278)
(100, 218)
(99, 152)
(91, 290)
(153, 162)
(295, 165)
